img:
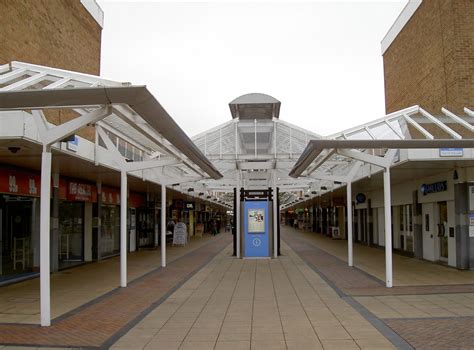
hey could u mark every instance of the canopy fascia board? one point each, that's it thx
(137, 97)
(315, 147)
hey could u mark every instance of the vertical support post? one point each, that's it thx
(123, 229)
(163, 225)
(388, 228)
(55, 224)
(45, 211)
(237, 210)
(255, 134)
(236, 140)
(349, 224)
(275, 216)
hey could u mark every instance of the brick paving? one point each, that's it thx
(96, 323)
(421, 331)
(254, 304)
(353, 281)
(444, 333)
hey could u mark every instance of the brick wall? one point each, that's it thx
(54, 33)
(431, 62)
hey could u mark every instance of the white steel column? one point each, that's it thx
(163, 225)
(237, 216)
(275, 216)
(123, 229)
(388, 228)
(45, 287)
(349, 224)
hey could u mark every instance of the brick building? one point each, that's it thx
(63, 34)
(428, 56)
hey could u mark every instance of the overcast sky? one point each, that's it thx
(321, 59)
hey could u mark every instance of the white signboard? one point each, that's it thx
(180, 234)
(451, 152)
(471, 225)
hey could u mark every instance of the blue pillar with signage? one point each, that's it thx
(257, 231)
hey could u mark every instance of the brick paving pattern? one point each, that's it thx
(254, 304)
(430, 334)
(96, 323)
(353, 281)
(407, 310)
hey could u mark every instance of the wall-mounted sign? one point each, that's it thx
(471, 225)
(110, 196)
(360, 198)
(256, 220)
(73, 144)
(451, 152)
(189, 205)
(20, 183)
(80, 192)
(440, 186)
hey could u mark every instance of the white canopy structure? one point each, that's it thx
(133, 135)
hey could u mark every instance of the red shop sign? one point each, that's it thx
(19, 183)
(81, 192)
(136, 200)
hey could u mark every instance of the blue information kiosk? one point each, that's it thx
(257, 228)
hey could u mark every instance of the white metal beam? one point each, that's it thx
(21, 84)
(70, 127)
(149, 164)
(57, 84)
(363, 157)
(458, 119)
(123, 228)
(45, 239)
(5, 78)
(469, 112)
(388, 228)
(163, 225)
(446, 128)
(418, 127)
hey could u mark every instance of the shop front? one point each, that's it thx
(109, 238)
(19, 192)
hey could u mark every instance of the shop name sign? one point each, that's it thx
(19, 183)
(436, 187)
(451, 152)
(80, 192)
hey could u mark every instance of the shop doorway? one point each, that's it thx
(16, 255)
(71, 234)
(406, 228)
(146, 227)
(442, 229)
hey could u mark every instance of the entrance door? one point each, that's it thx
(71, 234)
(442, 231)
(15, 236)
(408, 226)
(146, 227)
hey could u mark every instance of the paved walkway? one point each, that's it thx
(406, 271)
(429, 316)
(19, 303)
(101, 321)
(306, 299)
(255, 304)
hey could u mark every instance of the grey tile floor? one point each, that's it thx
(254, 304)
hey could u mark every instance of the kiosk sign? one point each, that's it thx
(256, 230)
